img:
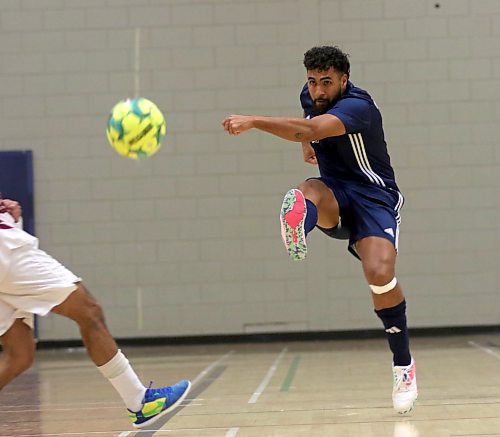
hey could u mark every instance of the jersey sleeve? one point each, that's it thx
(354, 113)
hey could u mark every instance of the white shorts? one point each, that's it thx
(34, 284)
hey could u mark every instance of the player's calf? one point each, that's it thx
(404, 393)
(18, 351)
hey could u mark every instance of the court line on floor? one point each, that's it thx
(83, 433)
(287, 382)
(209, 379)
(484, 349)
(204, 372)
(260, 389)
(207, 375)
(88, 433)
(475, 435)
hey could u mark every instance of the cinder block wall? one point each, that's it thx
(187, 242)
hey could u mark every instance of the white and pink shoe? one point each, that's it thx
(292, 218)
(404, 391)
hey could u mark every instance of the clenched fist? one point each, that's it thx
(12, 207)
(236, 124)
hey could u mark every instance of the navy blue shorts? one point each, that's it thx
(365, 211)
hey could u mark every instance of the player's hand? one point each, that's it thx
(309, 153)
(12, 207)
(237, 124)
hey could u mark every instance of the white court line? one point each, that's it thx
(202, 374)
(47, 408)
(18, 408)
(260, 389)
(485, 349)
(86, 433)
(122, 434)
(230, 433)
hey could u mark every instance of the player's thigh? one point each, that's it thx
(378, 257)
(79, 305)
(35, 282)
(323, 197)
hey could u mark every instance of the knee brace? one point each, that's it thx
(381, 289)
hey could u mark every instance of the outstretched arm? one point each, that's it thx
(288, 128)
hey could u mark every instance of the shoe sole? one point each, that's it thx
(292, 218)
(167, 410)
(409, 409)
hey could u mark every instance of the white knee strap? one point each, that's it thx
(381, 289)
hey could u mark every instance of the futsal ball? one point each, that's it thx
(136, 128)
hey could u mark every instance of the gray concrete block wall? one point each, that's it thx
(187, 242)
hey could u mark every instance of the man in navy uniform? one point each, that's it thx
(355, 197)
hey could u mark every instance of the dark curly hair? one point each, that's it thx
(323, 57)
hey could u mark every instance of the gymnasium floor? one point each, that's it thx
(325, 388)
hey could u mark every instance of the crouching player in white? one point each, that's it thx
(32, 282)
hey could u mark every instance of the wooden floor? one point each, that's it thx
(326, 388)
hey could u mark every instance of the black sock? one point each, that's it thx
(394, 320)
(311, 217)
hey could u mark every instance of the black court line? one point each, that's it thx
(206, 382)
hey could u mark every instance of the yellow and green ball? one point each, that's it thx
(136, 128)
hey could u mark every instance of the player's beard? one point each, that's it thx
(322, 105)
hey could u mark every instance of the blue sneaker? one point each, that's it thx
(157, 402)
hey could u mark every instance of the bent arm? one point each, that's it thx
(288, 128)
(309, 153)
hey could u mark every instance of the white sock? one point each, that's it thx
(125, 381)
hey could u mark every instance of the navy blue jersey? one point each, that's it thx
(360, 155)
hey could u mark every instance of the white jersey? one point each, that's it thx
(11, 234)
(31, 281)
(11, 237)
